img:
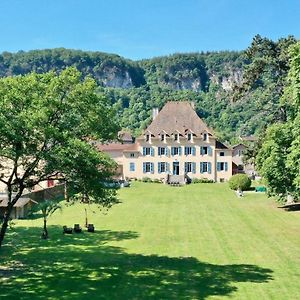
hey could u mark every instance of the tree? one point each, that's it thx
(47, 207)
(271, 160)
(278, 159)
(268, 66)
(46, 124)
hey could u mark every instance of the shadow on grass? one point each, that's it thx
(84, 266)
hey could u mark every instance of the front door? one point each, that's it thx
(176, 168)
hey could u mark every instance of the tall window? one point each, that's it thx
(205, 167)
(176, 150)
(148, 167)
(222, 166)
(148, 151)
(189, 150)
(190, 167)
(162, 151)
(132, 167)
(162, 167)
(204, 150)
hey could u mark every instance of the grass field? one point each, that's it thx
(195, 242)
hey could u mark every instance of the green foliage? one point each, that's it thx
(240, 181)
(279, 157)
(268, 68)
(202, 180)
(46, 121)
(149, 180)
(134, 88)
(101, 66)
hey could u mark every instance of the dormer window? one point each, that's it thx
(162, 137)
(148, 138)
(205, 137)
(189, 137)
(176, 137)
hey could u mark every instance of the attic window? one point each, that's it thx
(176, 137)
(205, 137)
(162, 137)
(189, 136)
(147, 137)
(222, 153)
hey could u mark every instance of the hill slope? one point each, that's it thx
(136, 87)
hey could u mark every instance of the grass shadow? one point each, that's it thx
(85, 266)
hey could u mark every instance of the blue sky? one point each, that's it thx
(144, 28)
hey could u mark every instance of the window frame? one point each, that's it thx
(188, 150)
(160, 151)
(132, 167)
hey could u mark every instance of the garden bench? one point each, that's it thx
(77, 228)
(90, 228)
(67, 230)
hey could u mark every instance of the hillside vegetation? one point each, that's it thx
(208, 79)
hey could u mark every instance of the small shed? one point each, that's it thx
(20, 209)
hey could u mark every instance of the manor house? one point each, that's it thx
(176, 143)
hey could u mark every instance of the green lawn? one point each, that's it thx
(195, 242)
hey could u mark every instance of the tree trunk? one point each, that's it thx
(45, 232)
(10, 205)
(4, 225)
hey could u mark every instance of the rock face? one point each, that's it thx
(193, 71)
(227, 82)
(193, 84)
(185, 79)
(235, 77)
(116, 78)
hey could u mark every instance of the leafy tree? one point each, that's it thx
(279, 157)
(46, 123)
(271, 159)
(268, 65)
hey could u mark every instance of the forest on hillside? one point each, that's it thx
(213, 80)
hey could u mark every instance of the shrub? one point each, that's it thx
(202, 180)
(240, 181)
(157, 180)
(146, 179)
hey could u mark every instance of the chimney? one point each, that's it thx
(154, 112)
